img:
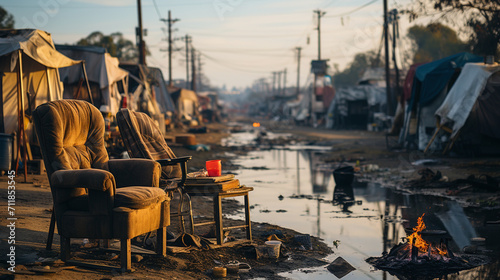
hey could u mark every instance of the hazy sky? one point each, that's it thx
(240, 40)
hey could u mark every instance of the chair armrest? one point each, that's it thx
(174, 161)
(135, 172)
(95, 179)
(182, 161)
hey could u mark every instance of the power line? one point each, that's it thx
(353, 10)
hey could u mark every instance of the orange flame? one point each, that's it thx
(416, 239)
(256, 124)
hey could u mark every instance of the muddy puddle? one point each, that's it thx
(294, 189)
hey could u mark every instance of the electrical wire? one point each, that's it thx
(353, 10)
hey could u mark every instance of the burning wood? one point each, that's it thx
(420, 257)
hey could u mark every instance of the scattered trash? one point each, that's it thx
(340, 267)
(276, 232)
(273, 237)
(268, 251)
(199, 147)
(137, 258)
(190, 240)
(242, 267)
(275, 245)
(425, 162)
(304, 241)
(219, 272)
(336, 243)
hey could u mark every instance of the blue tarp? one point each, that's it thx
(431, 78)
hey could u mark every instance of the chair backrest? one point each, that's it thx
(143, 139)
(71, 135)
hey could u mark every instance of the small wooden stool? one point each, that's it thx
(217, 197)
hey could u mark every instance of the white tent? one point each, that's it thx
(462, 97)
(28, 65)
(102, 70)
(34, 51)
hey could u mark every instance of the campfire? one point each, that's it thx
(420, 257)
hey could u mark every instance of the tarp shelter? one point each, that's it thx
(475, 95)
(430, 86)
(148, 91)
(186, 102)
(353, 105)
(30, 54)
(107, 80)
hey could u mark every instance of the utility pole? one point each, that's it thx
(170, 21)
(319, 14)
(200, 81)
(284, 82)
(279, 82)
(274, 82)
(138, 31)
(387, 69)
(395, 36)
(188, 40)
(193, 70)
(298, 69)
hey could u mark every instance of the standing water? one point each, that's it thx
(294, 189)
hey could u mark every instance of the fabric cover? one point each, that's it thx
(102, 69)
(143, 139)
(40, 75)
(464, 94)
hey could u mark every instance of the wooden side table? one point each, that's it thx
(217, 197)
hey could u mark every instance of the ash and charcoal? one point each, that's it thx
(406, 263)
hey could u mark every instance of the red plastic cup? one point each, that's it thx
(214, 168)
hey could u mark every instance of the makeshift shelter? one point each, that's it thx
(107, 81)
(474, 98)
(354, 106)
(30, 54)
(430, 87)
(186, 102)
(149, 93)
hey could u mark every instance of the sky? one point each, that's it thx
(240, 40)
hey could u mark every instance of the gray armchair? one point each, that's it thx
(95, 197)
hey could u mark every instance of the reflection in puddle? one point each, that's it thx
(296, 190)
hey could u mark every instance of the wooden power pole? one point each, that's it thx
(139, 34)
(299, 49)
(387, 68)
(319, 14)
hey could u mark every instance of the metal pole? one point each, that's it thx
(298, 69)
(387, 69)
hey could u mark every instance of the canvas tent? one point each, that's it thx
(474, 97)
(431, 84)
(107, 80)
(28, 64)
(353, 105)
(186, 102)
(148, 91)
